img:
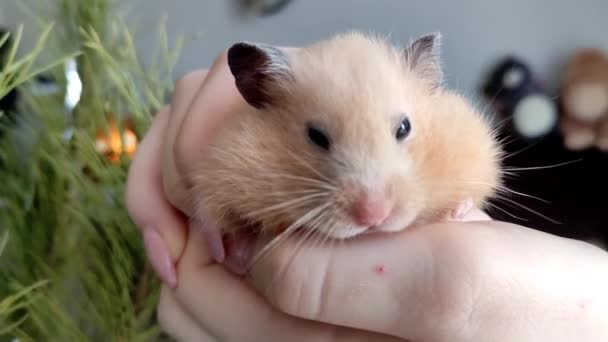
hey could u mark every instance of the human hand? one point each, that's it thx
(466, 281)
(157, 189)
(163, 226)
(213, 304)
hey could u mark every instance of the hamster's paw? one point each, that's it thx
(215, 243)
(462, 210)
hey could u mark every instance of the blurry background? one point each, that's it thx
(72, 266)
(543, 34)
(476, 32)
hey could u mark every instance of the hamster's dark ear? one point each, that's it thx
(423, 56)
(257, 69)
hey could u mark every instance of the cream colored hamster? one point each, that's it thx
(348, 135)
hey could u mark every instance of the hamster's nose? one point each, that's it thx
(371, 210)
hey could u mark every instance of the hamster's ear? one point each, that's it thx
(257, 70)
(423, 57)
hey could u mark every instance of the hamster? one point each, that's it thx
(345, 136)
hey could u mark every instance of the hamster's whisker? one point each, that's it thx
(287, 204)
(328, 236)
(509, 174)
(270, 214)
(506, 190)
(542, 167)
(312, 228)
(502, 191)
(490, 104)
(505, 140)
(271, 177)
(307, 165)
(288, 231)
(295, 192)
(521, 150)
(494, 206)
(514, 203)
(320, 238)
(309, 232)
(498, 126)
(302, 178)
(316, 182)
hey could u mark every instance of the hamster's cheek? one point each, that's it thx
(409, 199)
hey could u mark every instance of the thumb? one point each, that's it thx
(163, 227)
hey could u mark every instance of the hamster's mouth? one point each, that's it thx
(243, 226)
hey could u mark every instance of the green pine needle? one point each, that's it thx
(72, 265)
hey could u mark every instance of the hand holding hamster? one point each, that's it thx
(467, 281)
(456, 282)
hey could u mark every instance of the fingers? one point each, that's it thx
(387, 283)
(177, 323)
(230, 310)
(163, 228)
(184, 94)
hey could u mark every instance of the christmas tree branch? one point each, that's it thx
(72, 265)
(15, 72)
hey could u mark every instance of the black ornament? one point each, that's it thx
(520, 99)
(266, 7)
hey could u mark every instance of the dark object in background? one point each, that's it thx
(576, 191)
(8, 103)
(265, 7)
(526, 108)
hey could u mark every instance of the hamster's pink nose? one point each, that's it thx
(370, 210)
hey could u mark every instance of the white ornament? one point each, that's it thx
(74, 85)
(534, 116)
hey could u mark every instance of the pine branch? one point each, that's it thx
(72, 266)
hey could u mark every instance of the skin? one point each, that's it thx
(456, 281)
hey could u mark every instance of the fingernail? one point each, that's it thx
(159, 257)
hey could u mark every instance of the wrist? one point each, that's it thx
(501, 282)
(562, 300)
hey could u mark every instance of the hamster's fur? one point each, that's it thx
(263, 168)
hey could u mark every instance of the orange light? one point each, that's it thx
(110, 143)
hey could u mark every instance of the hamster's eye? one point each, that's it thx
(404, 129)
(317, 137)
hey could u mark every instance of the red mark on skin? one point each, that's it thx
(379, 270)
(582, 304)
